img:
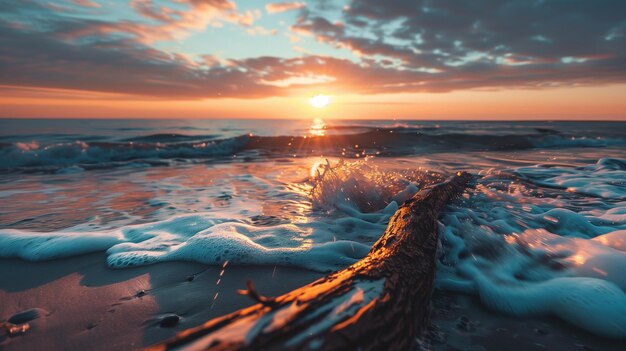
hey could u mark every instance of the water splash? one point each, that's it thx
(364, 186)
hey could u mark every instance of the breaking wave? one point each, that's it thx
(160, 149)
(35, 156)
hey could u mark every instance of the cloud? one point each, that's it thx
(277, 7)
(47, 58)
(259, 30)
(86, 3)
(462, 37)
(174, 23)
(398, 46)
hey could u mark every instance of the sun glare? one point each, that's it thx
(319, 101)
(318, 128)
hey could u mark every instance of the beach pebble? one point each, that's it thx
(28, 315)
(169, 320)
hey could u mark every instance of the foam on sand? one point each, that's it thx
(580, 281)
(191, 238)
(34, 246)
(239, 244)
(526, 250)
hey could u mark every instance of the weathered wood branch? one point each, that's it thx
(378, 303)
(254, 295)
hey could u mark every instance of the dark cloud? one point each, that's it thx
(401, 46)
(460, 37)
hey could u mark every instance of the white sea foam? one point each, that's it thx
(236, 243)
(605, 179)
(35, 246)
(527, 251)
(200, 239)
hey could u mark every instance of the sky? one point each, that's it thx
(401, 59)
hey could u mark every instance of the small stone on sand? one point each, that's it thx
(169, 320)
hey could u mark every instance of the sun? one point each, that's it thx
(319, 101)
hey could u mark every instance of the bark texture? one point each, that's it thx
(378, 303)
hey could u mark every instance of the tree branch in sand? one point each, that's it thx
(254, 295)
(378, 303)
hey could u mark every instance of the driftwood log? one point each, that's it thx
(379, 303)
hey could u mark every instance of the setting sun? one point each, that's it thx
(319, 101)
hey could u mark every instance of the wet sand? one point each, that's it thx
(84, 305)
(88, 306)
(460, 322)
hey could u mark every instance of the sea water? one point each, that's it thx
(542, 230)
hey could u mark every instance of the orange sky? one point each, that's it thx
(595, 103)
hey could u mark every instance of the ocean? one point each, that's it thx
(542, 230)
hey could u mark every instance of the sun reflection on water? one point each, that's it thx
(318, 128)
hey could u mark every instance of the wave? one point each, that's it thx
(169, 138)
(363, 141)
(33, 156)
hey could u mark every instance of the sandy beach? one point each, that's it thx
(84, 305)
